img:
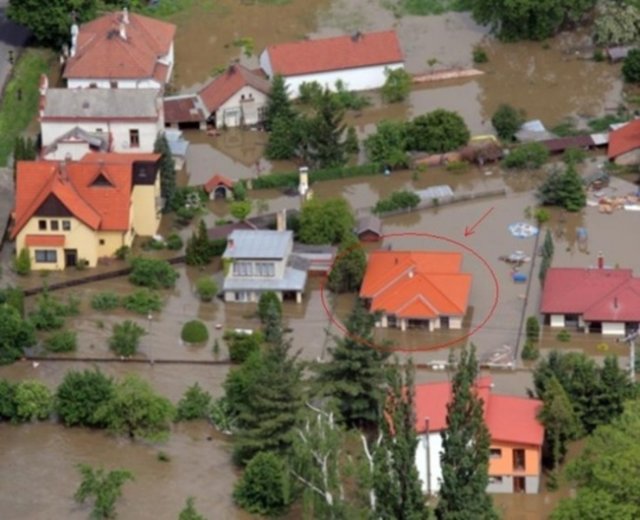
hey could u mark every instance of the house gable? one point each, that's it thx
(52, 207)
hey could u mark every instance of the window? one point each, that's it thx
(42, 225)
(66, 225)
(518, 459)
(496, 453)
(54, 225)
(98, 130)
(93, 85)
(46, 256)
(102, 241)
(134, 138)
(242, 269)
(495, 480)
(265, 269)
(262, 111)
(114, 84)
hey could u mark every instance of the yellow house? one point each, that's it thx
(85, 210)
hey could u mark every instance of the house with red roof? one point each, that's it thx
(624, 144)
(516, 437)
(120, 50)
(359, 60)
(237, 97)
(68, 211)
(219, 187)
(597, 300)
(417, 289)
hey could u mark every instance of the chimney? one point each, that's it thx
(64, 174)
(303, 186)
(123, 31)
(600, 260)
(281, 220)
(125, 15)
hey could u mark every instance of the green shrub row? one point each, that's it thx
(289, 179)
(402, 199)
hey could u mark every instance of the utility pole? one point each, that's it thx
(631, 340)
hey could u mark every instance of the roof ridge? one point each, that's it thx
(604, 296)
(420, 297)
(426, 278)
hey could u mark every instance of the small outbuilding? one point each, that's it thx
(369, 228)
(624, 144)
(219, 187)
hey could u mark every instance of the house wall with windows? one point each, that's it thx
(113, 83)
(245, 107)
(510, 461)
(434, 472)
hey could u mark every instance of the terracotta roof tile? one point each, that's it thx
(222, 87)
(217, 180)
(341, 52)
(45, 241)
(103, 53)
(183, 109)
(624, 139)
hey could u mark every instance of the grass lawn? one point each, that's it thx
(16, 114)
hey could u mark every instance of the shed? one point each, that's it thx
(560, 144)
(440, 193)
(184, 111)
(369, 228)
(316, 258)
(219, 187)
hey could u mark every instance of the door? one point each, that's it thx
(519, 485)
(70, 257)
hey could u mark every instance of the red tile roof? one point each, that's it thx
(419, 285)
(222, 87)
(120, 158)
(45, 241)
(183, 109)
(597, 294)
(217, 180)
(99, 207)
(341, 52)
(509, 419)
(103, 53)
(624, 139)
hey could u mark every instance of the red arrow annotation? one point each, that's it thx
(470, 230)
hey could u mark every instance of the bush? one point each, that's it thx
(7, 400)
(290, 179)
(125, 338)
(240, 209)
(122, 253)
(142, 301)
(631, 67)
(402, 199)
(267, 300)
(241, 346)
(397, 86)
(264, 488)
(530, 352)
(33, 401)
(61, 341)
(479, 55)
(174, 242)
(14, 297)
(82, 264)
(154, 245)
(22, 262)
(529, 155)
(194, 331)
(564, 336)
(206, 288)
(195, 404)
(79, 396)
(574, 156)
(437, 132)
(541, 215)
(507, 121)
(50, 312)
(16, 334)
(105, 301)
(533, 328)
(152, 273)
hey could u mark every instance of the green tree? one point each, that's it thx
(389, 144)
(22, 262)
(240, 209)
(507, 121)
(136, 410)
(268, 300)
(241, 345)
(354, 375)
(190, 512)
(528, 155)
(50, 21)
(325, 130)
(207, 288)
(438, 131)
(195, 404)
(465, 443)
(105, 488)
(264, 487)
(351, 144)
(152, 273)
(533, 328)
(631, 67)
(328, 221)
(239, 382)
(573, 193)
(348, 270)
(616, 23)
(594, 504)
(33, 401)
(278, 104)
(396, 480)
(397, 85)
(79, 396)
(16, 334)
(167, 170)
(529, 19)
(267, 420)
(239, 191)
(125, 338)
(7, 400)
(199, 250)
(284, 138)
(194, 331)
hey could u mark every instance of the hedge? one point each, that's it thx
(290, 179)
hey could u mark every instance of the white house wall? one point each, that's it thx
(70, 150)
(435, 451)
(106, 83)
(362, 78)
(265, 64)
(612, 329)
(250, 108)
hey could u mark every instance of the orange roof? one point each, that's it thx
(222, 87)
(217, 180)
(120, 158)
(416, 285)
(104, 207)
(45, 241)
(624, 139)
(102, 53)
(341, 52)
(509, 418)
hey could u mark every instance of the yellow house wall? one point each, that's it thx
(113, 240)
(146, 214)
(80, 237)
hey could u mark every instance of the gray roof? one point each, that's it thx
(441, 192)
(258, 243)
(111, 103)
(369, 223)
(293, 280)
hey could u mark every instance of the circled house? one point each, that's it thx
(516, 437)
(417, 289)
(359, 61)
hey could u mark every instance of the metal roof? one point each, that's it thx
(293, 280)
(259, 243)
(436, 192)
(110, 103)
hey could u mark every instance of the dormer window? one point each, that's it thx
(101, 180)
